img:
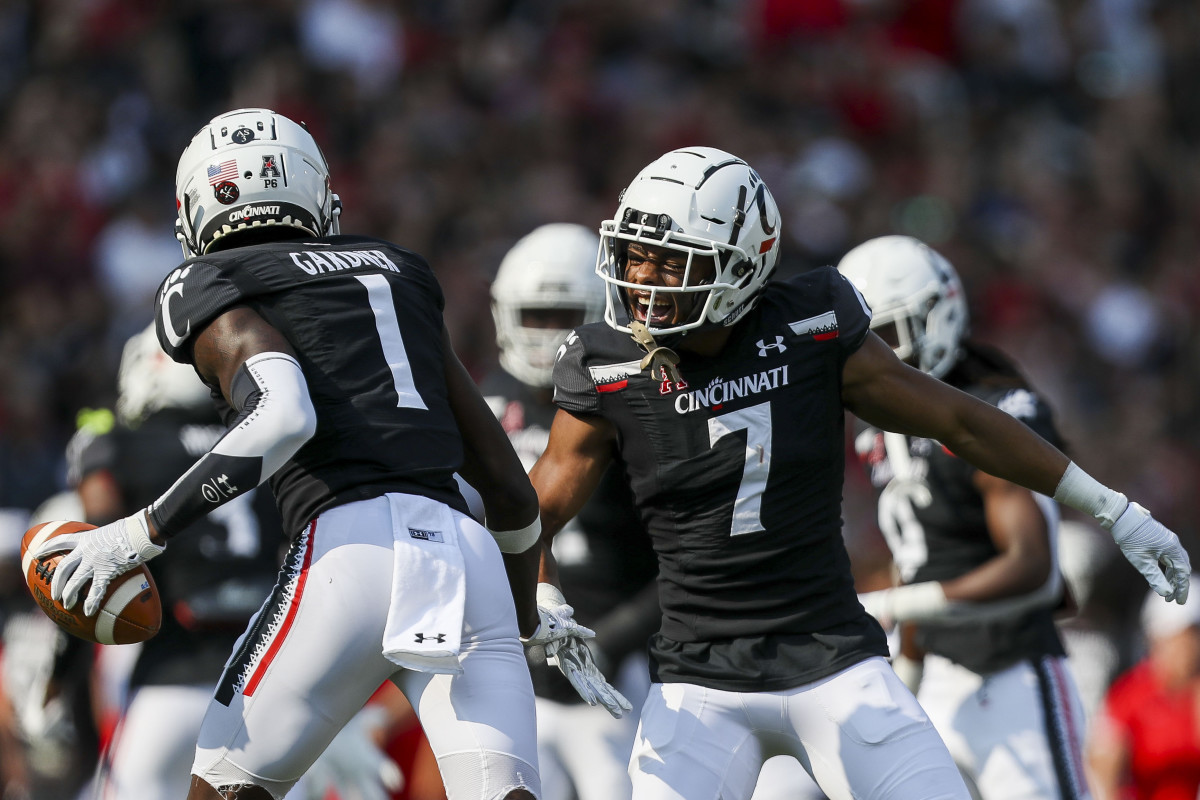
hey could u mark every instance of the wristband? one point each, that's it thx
(549, 594)
(520, 540)
(138, 530)
(1084, 493)
(918, 601)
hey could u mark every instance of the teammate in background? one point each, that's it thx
(545, 286)
(975, 555)
(1146, 740)
(723, 394)
(332, 368)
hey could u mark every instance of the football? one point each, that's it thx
(131, 611)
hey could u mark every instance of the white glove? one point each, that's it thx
(566, 647)
(1155, 551)
(98, 556)
(556, 621)
(353, 765)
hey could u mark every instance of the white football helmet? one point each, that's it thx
(552, 267)
(703, 202)
(250, 168)
(148, 380)
(910, 285)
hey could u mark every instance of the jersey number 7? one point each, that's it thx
(756, 421)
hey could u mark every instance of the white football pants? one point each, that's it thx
(583, 752)
(313, 656)
(1017, 734)
(859, 732)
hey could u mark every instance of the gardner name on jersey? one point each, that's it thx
(737, 472)
(364, 317)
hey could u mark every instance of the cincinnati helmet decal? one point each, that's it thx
(760, 200)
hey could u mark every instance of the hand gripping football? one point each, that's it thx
(131, 611)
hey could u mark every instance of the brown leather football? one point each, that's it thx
(131, 611)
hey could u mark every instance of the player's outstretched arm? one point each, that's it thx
(579, 450)
(257, 372)
(882, 390)
(1020, 577)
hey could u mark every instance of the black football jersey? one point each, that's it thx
(214, 577)
(737, 473)
(943, 533)
(605, 560)
(365, 319)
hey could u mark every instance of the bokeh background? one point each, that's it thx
(1048, 148)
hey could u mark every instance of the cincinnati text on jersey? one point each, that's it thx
(315, 263)
(720, 392)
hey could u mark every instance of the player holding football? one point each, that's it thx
(211, 582)
(723, 395)
(338, 382)
(976, 555)
(545, 286)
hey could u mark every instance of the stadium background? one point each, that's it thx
(1047, 147)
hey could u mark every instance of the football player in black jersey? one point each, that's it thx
(211, 582)
(545, 286)
(723, 394)
(981, 549)
(330, 363)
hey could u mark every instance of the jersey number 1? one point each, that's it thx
(379, 294)
(756, 421)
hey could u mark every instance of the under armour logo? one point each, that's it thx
(437, 637)
(763, 347)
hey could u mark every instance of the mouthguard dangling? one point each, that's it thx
(656, 356)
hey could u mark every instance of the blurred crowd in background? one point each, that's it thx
(1049, 148)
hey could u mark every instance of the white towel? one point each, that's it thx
(429, 587)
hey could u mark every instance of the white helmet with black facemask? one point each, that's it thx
(705, 203)
(916, 299)
(251, 169)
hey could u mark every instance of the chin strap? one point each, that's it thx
(656, 356)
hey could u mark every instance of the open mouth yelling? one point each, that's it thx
(661, 314)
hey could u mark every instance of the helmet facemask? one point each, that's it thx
(704, 203)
